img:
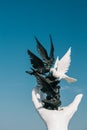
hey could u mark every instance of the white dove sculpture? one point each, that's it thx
(61, 67)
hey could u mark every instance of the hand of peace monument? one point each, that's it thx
(55, 119)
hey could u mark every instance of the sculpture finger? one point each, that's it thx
(36, 98)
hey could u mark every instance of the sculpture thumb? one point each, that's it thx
(73, 107)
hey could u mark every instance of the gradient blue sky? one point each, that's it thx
(20, 20)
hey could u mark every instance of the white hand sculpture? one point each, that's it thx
(55, 119)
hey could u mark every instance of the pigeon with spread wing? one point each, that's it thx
(37, 64)
(48, 60)
(43, 65)
(50, 88)
(46, 86)
(61, 67)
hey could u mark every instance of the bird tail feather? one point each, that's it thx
(69, 79)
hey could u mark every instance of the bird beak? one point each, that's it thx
(51, 70)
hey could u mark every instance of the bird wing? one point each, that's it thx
(45, 86)
(64, 62)
(51, 50)
(56, 63)
(41, 50)
(35, 61)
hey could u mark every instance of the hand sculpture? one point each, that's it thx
(55, 119)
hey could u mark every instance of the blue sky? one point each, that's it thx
(20, 21)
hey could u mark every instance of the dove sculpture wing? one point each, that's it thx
(64, 63)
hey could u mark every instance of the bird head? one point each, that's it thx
(51, 70)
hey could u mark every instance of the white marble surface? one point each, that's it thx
(56, 119)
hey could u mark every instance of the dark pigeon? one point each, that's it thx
(52, 100)
(52, 104)
(37, 64)
(45, 86)
(49, 60)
